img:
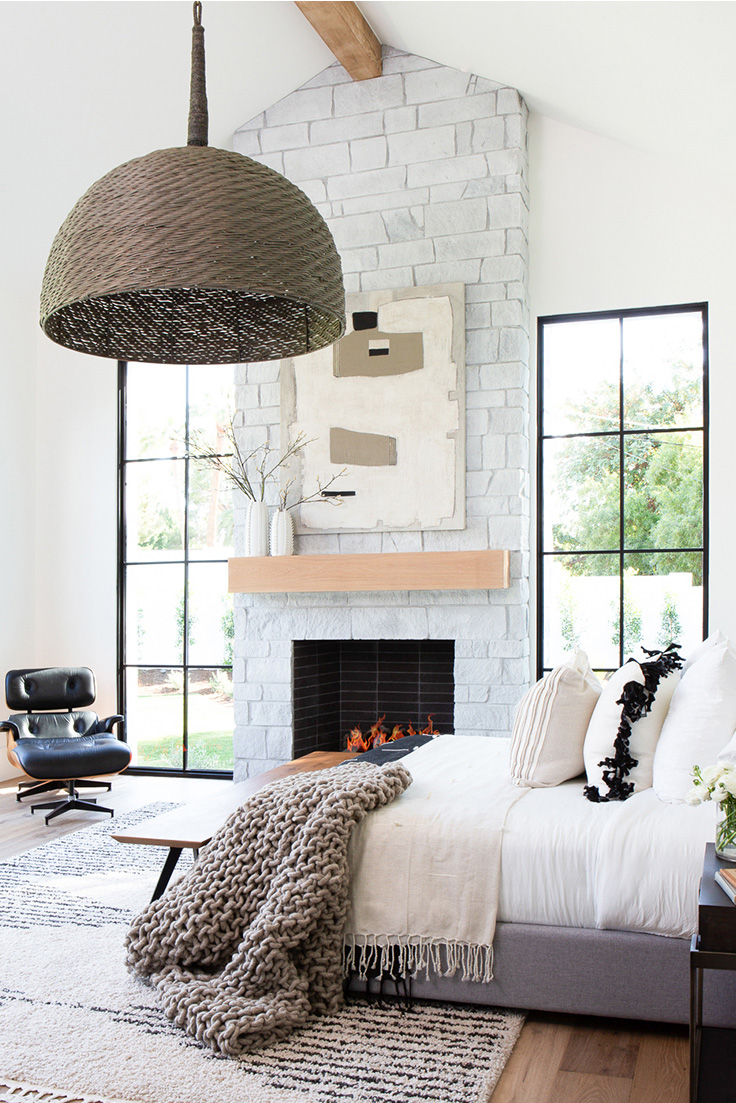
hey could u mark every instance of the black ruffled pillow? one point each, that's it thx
(624, 729)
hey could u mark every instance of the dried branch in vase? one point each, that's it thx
(252, 472)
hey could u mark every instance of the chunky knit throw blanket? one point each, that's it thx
(248, 945)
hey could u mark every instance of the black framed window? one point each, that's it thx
(175, 615)
(622, 507)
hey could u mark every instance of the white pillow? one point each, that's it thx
(699, 724)
(550, 725)
(714, 640)
(604, 724)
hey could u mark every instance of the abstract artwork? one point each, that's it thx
(387, 403)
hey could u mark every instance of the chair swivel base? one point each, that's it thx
(62, 806)
(34, 788)
(70, 802)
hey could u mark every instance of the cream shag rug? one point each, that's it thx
(76, 1027)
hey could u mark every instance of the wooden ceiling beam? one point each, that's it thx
(342, 26)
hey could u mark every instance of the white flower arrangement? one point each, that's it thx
(718, 783)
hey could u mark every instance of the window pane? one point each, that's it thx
(154, 510)
(178, 509)
(210, 513)
(663, 600)
(581, 608)
(582, 366)
(581, 494)
(663, 491)
(211, 720)
(154, 614)
(663, 370)
(647, 502)
(154, 704)
(210, 615)
(155, 408)
(211, 401)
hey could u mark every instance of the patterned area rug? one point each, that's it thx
(77, 1028)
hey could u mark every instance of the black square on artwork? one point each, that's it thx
(365, 319)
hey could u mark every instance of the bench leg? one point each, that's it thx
(169, 866)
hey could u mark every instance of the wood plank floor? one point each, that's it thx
(572, 1059)
(21, 830)
(558, 1058)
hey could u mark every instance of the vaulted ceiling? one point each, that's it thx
(87, 85)
(657, 75)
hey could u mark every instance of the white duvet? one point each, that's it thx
(633, 865)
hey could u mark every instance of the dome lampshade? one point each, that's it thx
(193, 255)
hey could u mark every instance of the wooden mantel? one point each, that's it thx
(294, 574)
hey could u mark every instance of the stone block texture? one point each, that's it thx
(421, 175)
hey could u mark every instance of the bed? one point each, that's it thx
(486, 869)
(595, 903)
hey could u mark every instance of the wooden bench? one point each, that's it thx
(193, 825)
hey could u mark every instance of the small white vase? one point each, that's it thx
(282, 533)
(256, 529)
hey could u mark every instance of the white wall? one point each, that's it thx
(17, 479)
(613, 227)
(59, 460)
(76, 515)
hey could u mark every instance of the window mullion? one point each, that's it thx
(122, 537)
(706, 468)
(185, 640)
(540, 496)
(621, 494)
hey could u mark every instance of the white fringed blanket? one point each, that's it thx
(426, 869)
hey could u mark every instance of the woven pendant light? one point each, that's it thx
(193, 255)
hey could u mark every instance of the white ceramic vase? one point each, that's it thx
(282, 533)
(256, 529)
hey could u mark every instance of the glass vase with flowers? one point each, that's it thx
(718, 783)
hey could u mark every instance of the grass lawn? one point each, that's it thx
(207, 751)
(210, 731)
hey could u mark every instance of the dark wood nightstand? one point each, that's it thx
(712, 1049)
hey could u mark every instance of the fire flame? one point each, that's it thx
(379, 735)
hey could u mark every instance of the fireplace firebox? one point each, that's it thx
(342, 684)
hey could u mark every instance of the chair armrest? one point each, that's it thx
(12, 730)
(108, 724)
(13, 737)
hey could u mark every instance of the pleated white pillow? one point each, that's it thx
(645, 732)
(699, 724)
(550, 725)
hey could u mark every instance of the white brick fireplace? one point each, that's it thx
(421, 175)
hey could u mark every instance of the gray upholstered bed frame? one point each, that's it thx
(590, 972)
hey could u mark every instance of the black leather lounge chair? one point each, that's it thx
(61, 749)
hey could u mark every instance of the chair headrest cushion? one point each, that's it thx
(54, 687)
